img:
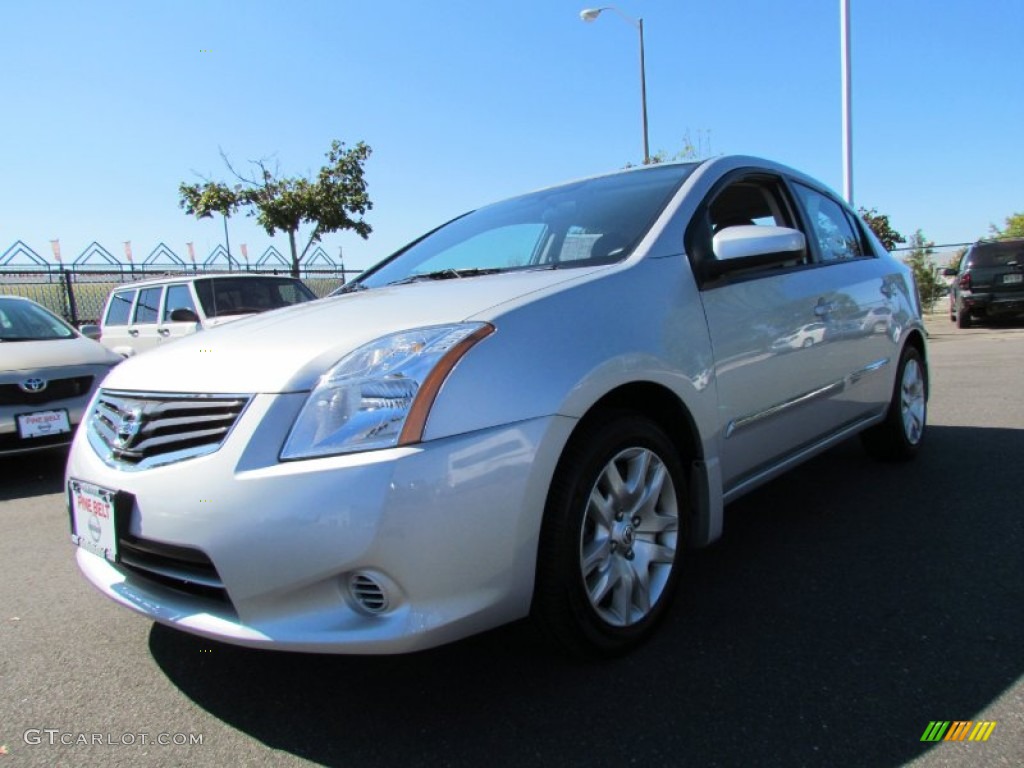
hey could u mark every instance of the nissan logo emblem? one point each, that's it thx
(127, 427)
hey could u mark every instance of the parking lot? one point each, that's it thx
(849, 604)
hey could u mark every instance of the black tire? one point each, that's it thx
(808, 342)
(593, 537)
(963, 317)
(900, 436)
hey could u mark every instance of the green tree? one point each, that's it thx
(334, 199)
(1014, 227)
(919, 261)
(204, 200)
(954, 263)
(689, 150)
(879, 224)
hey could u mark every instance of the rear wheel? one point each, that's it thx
(899, 437)
(613, 528)
(963, 317)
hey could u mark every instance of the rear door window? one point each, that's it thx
(836, 238)
(147, 310)
(120, 307)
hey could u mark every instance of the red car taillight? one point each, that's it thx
(965, 282)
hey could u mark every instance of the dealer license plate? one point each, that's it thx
(1013, 278)
(93, 525)
(43, 423)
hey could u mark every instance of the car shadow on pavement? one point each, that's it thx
(849, 604)
(32, 474)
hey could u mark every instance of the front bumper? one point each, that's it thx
(10, 440)
(447, 528)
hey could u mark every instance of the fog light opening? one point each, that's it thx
(367, 593)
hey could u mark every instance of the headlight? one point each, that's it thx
(380, 395)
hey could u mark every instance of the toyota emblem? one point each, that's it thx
(33, 385)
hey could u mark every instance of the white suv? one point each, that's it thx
(143, 315)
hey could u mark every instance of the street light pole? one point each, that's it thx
(590, 14)
(844, 47)
(643, 91)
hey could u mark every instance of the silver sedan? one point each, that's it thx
(533, 410)
(48, 374)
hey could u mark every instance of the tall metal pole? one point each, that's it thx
(590, 14)
(643, 92)
(227, 243)
(844, 44)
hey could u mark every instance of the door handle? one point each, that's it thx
(163, 331)
(133, 332)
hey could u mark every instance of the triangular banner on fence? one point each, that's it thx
(220, 257)
(21, 254)
(272, 255)
(95, 255)
(163, 256)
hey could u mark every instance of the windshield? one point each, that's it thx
(222, 296)
(25, 321)
(598, 221)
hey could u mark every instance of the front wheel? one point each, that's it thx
(899, 437)
(613, 528)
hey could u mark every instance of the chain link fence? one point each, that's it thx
(79, 295)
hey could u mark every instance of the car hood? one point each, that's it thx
(54, 353)
(287, 350)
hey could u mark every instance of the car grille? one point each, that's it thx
(136, 431)
(56, 389)
(181, 568)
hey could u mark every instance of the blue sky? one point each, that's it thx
(108, 106)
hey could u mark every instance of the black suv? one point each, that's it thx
(990, 282)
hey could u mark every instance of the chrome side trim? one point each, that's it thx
(874, 367)
(745, 421)
(826, 391)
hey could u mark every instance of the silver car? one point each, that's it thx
(532, 410)
(48, 374)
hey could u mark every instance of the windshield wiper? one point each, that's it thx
(448, 274)
(350, 288)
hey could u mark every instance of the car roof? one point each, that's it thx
(191, 278)
(1007, 242)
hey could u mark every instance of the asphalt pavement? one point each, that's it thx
(848, 605)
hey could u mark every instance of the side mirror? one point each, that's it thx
(949, 272)
(750, 247)
(184, 315)
(90, 332)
